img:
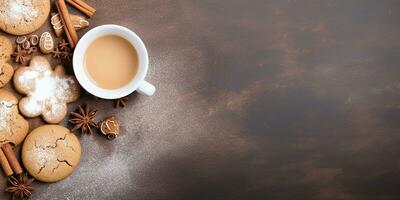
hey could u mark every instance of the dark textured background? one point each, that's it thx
(259, 99)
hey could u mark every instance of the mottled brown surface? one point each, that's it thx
(262, 99)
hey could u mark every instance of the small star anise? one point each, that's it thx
(21, 187)
(63, 45)
(56, 53)
(121, 102)
(83, 120)
(21, 55)
(66, 55)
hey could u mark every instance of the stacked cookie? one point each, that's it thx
(50, 152)
(13, 127)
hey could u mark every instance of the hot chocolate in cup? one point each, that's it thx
(111, 62)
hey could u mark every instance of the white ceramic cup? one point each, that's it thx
(136, 84)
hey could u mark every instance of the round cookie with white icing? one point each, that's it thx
(13, 127)
(50, 153)
(6, 70)
(47, 91)
(21, 17)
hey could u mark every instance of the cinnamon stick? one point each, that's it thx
(69, 29)
(80, 8)
(85, 5)
(5, 164)
(12, 159)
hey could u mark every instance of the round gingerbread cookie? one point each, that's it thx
(50, 153)
(21, 17)
(13, 127)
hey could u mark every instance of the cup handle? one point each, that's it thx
(146, 88)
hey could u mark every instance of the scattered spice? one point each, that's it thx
(83, 120)
(121, 102)
(69, 29)
(63, 50)
(56, 53)
(21, 187)
(66, 55)
(5, 165)
(82, 6)
(63, 45)
(109, 127)
(9, 153)
(21, 55)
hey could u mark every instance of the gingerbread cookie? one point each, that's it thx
(13, 127)
(21, 17)
(6, 70)
(47, 91)
(50, 153)
(79, 23)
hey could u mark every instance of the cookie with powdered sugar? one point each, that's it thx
(51, 153)
(6, 70)
(13, 127)
(21, 17)
(47, 91)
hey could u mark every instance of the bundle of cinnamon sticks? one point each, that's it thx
(82, 6)
(9, 161)
(69, 29)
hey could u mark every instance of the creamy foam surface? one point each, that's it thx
(111, 62)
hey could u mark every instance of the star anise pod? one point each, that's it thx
(63, 45)
(83, 120)
(21, 55)
(66, 55)
(21, 187)
(56, 53)
(121, 102)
